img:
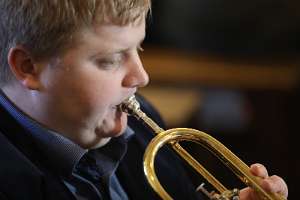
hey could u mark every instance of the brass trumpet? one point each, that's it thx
(173, 137)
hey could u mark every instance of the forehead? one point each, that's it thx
(110, 37)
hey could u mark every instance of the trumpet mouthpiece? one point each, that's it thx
(130, 105)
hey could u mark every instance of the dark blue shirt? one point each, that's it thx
(88, 174)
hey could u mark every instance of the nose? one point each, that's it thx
(136, 76)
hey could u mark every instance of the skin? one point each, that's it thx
(76, 94)
(271, 184)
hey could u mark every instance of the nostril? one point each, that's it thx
(132, 82)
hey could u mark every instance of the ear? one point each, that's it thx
(22, 66)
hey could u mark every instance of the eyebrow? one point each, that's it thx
(124, 50)
(118, 51)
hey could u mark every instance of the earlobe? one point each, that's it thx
(22, 66)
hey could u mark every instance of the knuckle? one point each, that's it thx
(276, 177)
(267, 185)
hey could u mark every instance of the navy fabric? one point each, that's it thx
(26, 174)
(64, 155)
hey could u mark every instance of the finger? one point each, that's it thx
(275, 184)
(259, 170)
(248, 193)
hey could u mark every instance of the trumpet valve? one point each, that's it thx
(226, 195)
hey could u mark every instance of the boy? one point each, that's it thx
(65, 66)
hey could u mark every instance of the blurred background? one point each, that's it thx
(230, 68)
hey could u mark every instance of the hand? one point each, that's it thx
(274, 184)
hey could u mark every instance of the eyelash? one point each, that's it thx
(108, 63)
(140, 48)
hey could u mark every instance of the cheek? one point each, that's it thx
(89, 100)
(85, 92)
(77, 99)
(93, 98)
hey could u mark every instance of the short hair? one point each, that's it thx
(46, 27)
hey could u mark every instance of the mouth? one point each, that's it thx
(118, 108)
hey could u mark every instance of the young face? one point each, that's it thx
(82, 88)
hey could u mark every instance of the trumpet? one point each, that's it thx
(172, 137)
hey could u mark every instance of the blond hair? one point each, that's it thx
(46, 27)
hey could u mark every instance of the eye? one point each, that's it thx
(109, 62)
